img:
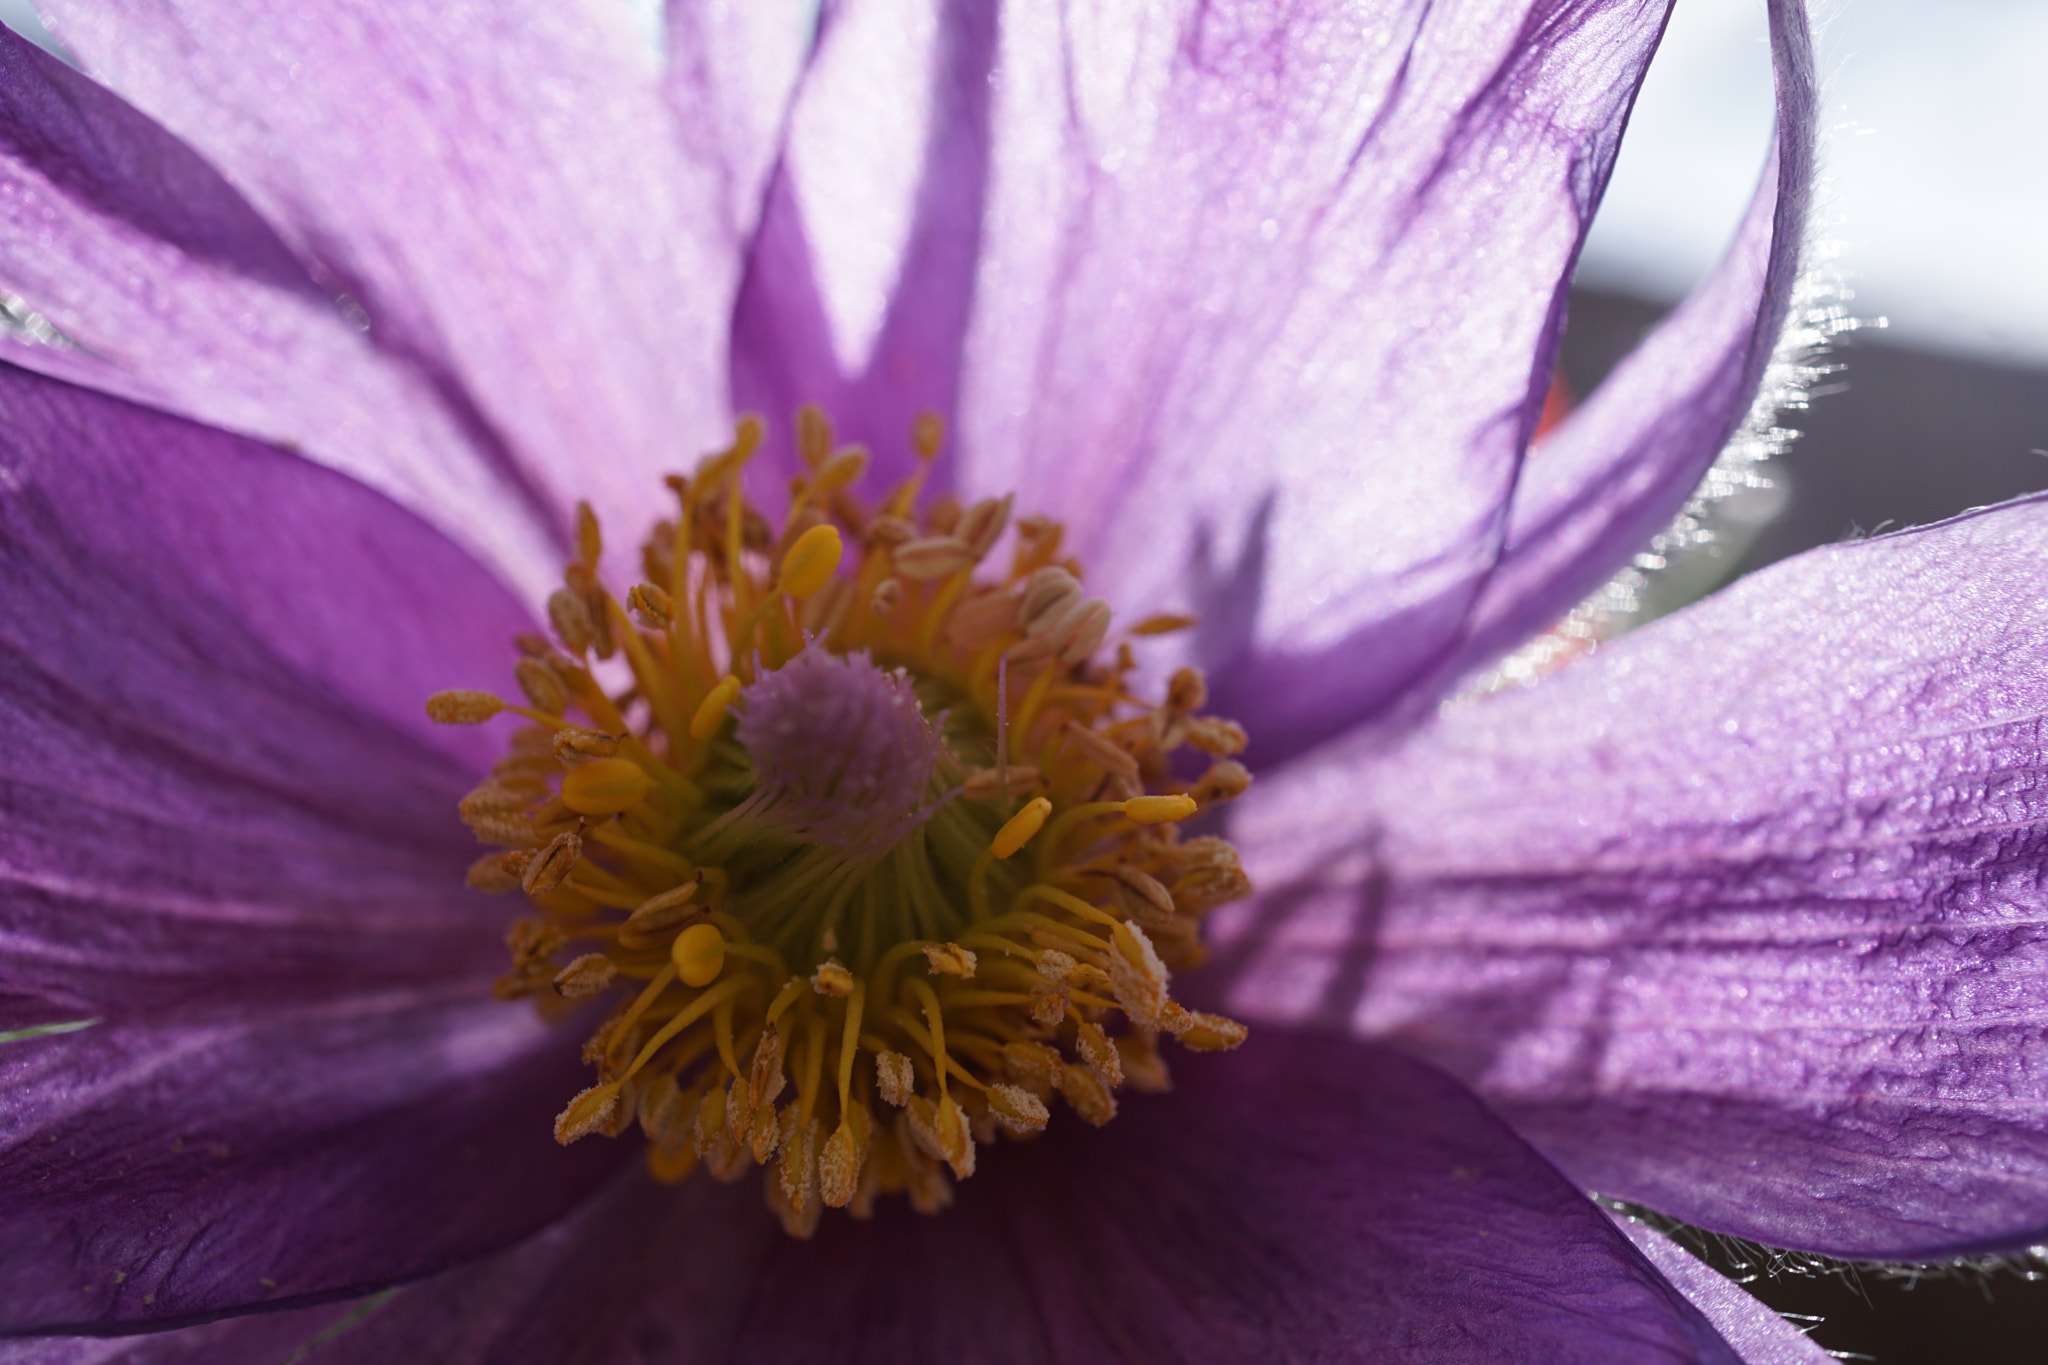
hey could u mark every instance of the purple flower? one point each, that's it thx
(322, 319)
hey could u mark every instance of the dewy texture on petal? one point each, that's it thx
(1311, 1199)
(1268, 305)
(227, 838)
(1741, 918)
(397, 147)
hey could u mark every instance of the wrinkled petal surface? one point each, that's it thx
(498, 189)
(1304, 1199)
(228, 835)
(1742, 918)
(1268, 305)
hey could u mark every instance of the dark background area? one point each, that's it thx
(1897, 437)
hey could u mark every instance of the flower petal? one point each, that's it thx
(1625, 461)
(1269, 300)
(1741, 919)
(1295, 1199)
(859, 280)
(153, 1173)
(134, 268)
(496, 186)
(1758, 1335)
(220, 785)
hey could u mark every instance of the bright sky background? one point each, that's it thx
(1937, 156)
(1937, 153)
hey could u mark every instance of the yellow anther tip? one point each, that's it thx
(711, 712)
(462, 706)
(812, 561)
(1020, 827)
(699, 955)
(605, 786)
(1159, 810)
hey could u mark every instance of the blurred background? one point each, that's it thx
(1935, 205)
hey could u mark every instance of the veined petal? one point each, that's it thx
(1295, 1199)
(495, 185)
(1624, 462)
(152, 1173)
(1741, 919)
(132, 267)
(220, 785)
(860, 277)
(1269, 301)
(1758, 1335)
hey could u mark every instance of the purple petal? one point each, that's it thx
(220, 785)
(153, 1173)
(1741, 919)
(858, 283)
(497, 188)
(137, 270)
(1307, 1198)
(1758, 1335)
(229, 836)
(1623, 464)
(1269, 301)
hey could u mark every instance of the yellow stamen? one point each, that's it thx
(812, 561)
(1018, 829)
(711, 711)
(605, 786)
(699, 955)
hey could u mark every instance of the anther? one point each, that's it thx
(1226, 780)
(553, 864)
(1048, 593)
(1033, 1065)
(698, 954)
(984, 524)
(1099, 1053)
(462, 706)
(1018, 829)
(1187, 690)
(1101, 752)
(812, 561)
(842, 470)
(1165, 623)
(1215, 735)
(605, 786)
(887, 530)
(949, 959)
(590, 974)
(839, 1167)
(1136, 975)
(574, 744)
(832, 979)
(1056, 966)
(765, 1077)
(657, 916)
(1017, 1109)
(489, 874)
(1143, 1066)
(888, 595)
(1159, 810)
(1212, 1033)
(956, 1143)
(541, 686)
(491, 797)
(894, 1078)
(1146, 888)
(932, 557)
(666, 1116)
(651, 606)
(570, 617)
(711, 711)
(590, 1111)
(1079, 632)
(1090, 1098)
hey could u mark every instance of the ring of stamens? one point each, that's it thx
(853, 989)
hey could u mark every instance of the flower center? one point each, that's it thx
(873, 852)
